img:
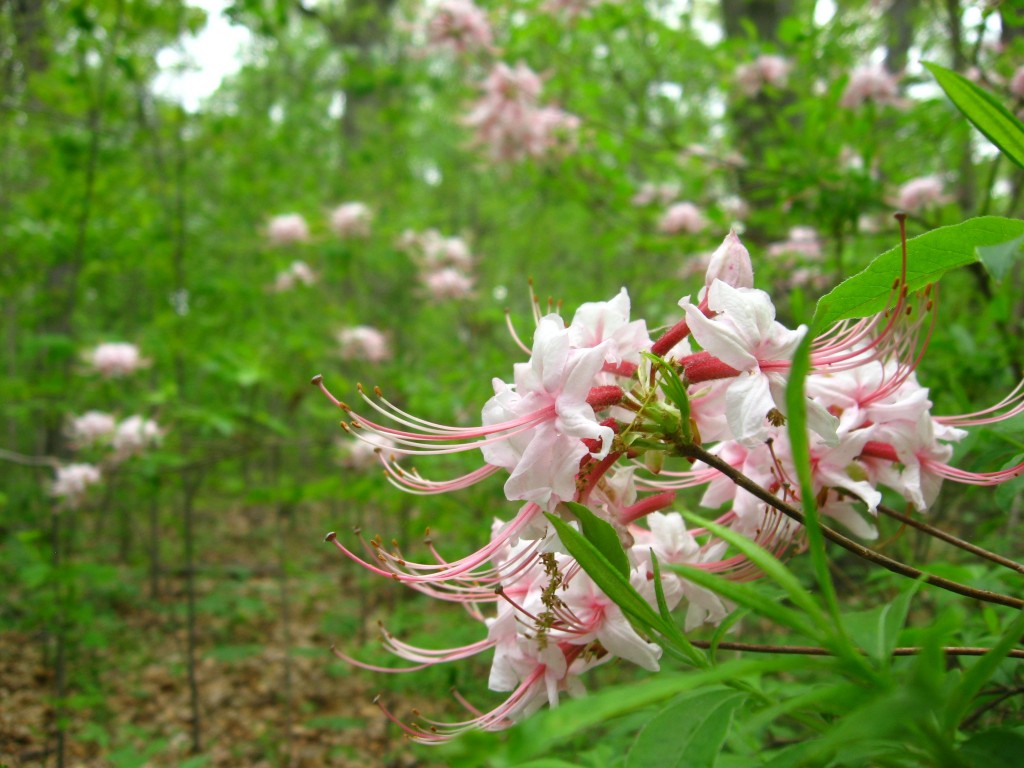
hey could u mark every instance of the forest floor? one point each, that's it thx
(269, 691)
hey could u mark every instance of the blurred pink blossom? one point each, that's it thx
(363, 454)
(871, 83)
(72, 482)
(447, 283)
(1017, 83)
(116, 358)
(134, 435)
(287, 228)
(650, 192)
(460, 26)
(920, 193)
(297, 272)
(764, 70)
(571, 9)
(681, 217)
(91, 428)
(802, 241)
(351, 220)
(509, 121)
(363, 342)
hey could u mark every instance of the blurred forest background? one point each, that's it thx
(334, 207)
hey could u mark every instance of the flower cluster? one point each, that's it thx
(586, 421)
(73, 481)
(351, 220)
(363, 342)
(510, 121)
(460, 26)
(920, 193)
(116, 358)
(765, 70)
(114, 441)
(681, 217)
(298, 273)
(287, 228)
(445, 263)
(871, 83)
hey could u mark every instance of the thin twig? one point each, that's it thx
(951, 539)
(696, 452)
(30, 461)
(976, 715)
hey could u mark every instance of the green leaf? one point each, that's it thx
(616, 585)
(607, 576)
(800, 450)
(981, 672)
(929, 257)
(997, 748)
(984, 111)
(537, 735)
(688, 733)
(601, 534)
(877, 630)
(999, 259)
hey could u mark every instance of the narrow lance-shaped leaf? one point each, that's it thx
(611, 581)
(984, 111)
(601, 534)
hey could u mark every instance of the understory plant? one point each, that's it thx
(610, 434)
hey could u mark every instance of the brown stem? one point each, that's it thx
(990, 705)
(811, 650)
(696, 452)
(949, 538)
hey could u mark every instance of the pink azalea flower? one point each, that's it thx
(1017, 83)
(447, 283)
(298, 272)
(134, 435)
(649, 193)
(351, 220)
(510, 122)
(764, 70)
(72, 483)
(557, 381)
(920, 193)
(802, 241)
(363, 342)
(681, 217)
(459, 26)
(288, 228)
(871, 83)
(91, 428)
(745, 336)
(115, 359)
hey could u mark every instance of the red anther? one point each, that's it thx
(620, 369)
(331, 536)
(603, 397)
(671, 337)
(647, 505)
(703, 366)
(878, 450)
(377, 391)
(317, 380)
